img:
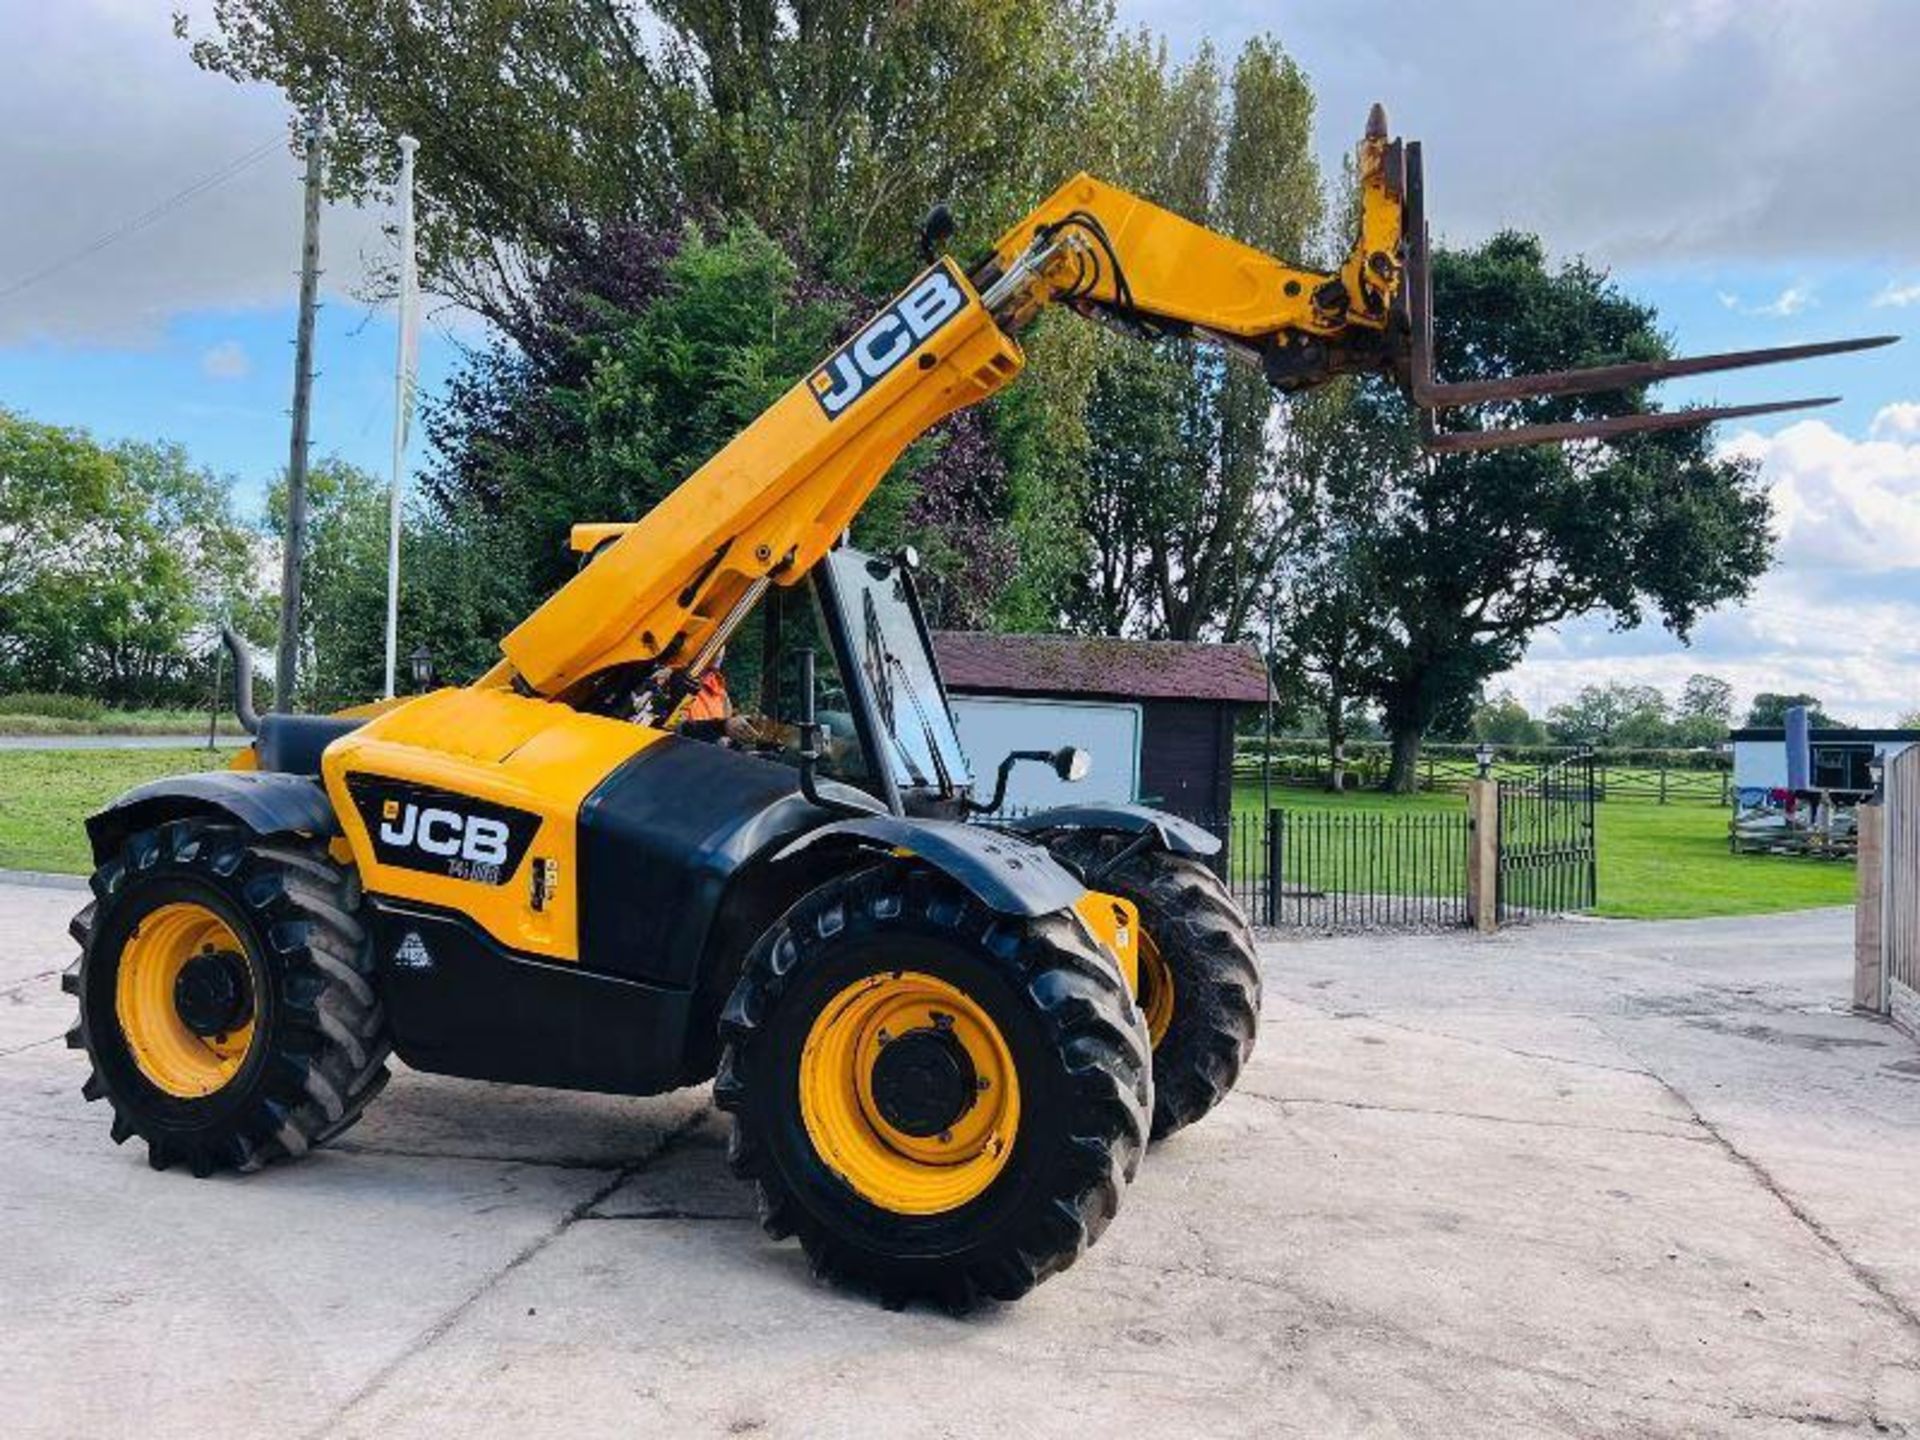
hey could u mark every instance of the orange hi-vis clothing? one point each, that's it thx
(710, 701)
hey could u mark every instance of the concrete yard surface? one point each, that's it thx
(1579, 1179)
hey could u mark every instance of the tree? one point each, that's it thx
(1177, 498)
(115, 565)
(1704, 713)
(1503, 720)
(343, 612)
(1612, 714)
(545, 123)
(1769, 712)
(1331, 633)
(55, 485)
(1908, 721)
(1468, 555)
(550, 129)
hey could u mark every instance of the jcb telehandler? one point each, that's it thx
(944, 1045)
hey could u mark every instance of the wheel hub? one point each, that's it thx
(211, 993)
(924, 1081)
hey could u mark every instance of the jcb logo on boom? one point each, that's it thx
(889, 338)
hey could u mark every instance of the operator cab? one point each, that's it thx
(882, 706)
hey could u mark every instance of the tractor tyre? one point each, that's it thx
(943, 1103)
(226, 996)
(1199, 980)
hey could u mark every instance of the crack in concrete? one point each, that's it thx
(1909, 1320)
(561, 1162)
(1368, 1322)
(33, 979)
(30, 1045)
(443, 1326)
(1285, 1100)
(1481, 1043)
(668, 1212)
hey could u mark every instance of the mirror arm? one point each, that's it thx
(1005, 772)
(809, 728)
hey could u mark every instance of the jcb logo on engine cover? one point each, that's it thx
(889, 338)
(416, 827)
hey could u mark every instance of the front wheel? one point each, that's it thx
(1199, 979)
(226, 997)
(941, 1102)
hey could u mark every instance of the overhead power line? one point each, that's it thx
(146, 217)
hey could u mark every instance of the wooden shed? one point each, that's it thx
(1157, 715)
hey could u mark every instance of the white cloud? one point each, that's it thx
(1899, 421)
(1861, 657)
(1897, 296)
(1636, 131)
(1788, 303)
(1840, 615)
(226, 361)
(151, 124)
(1843, 504)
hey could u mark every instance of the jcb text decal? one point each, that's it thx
(419, 828)
(889, 338)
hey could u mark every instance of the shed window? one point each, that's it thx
(1841, 767)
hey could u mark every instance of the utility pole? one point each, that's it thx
(292, 562)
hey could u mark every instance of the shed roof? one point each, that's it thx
(979, 662)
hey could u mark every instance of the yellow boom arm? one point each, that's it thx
(635, 629)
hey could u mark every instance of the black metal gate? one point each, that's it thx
(1549, 864)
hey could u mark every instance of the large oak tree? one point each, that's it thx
(1462, 559)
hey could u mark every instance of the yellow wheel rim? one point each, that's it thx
(906, 1173)
(1156, 988)
(168, 1053)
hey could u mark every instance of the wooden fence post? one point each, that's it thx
(1869, 918)
(1483, 854)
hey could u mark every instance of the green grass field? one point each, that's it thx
(1656, 861)
(118, 722)
(46, 794)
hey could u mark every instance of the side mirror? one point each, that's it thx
(1072, 764)
(1069, 762)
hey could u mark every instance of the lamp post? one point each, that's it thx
(421, 661)
(1483, 757)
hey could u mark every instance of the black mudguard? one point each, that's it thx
(1172, 833)
(1008, 874)
(266, 804)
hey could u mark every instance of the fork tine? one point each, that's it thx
(1440, 395)
(1472, 441)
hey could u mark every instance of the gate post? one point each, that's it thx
(1276, 859)
(1483, 854)
(1869, 954)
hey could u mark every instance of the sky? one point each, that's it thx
(1745, 165)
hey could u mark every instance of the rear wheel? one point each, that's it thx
(1199, 980)
(939, 1101)
(226, 997)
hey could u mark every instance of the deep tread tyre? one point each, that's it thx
(1205, 941)
(320, 1044)
(1081, 1056)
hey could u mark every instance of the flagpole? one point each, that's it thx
(402, 399)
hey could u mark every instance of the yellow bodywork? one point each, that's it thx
(532, 755)
(1115, 923)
